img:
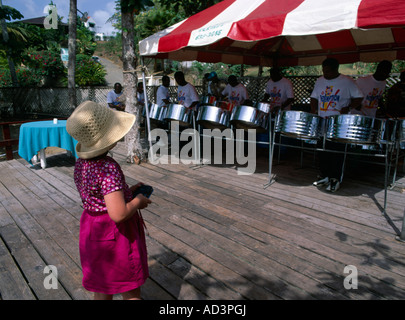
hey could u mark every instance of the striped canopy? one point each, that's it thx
(285, 32)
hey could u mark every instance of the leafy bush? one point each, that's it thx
(25, 77)
(43, 64)
(88, 72)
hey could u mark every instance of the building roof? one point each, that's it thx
(39, 21)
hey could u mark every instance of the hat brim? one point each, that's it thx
(120, 125)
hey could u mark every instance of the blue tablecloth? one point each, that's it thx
(38, 135)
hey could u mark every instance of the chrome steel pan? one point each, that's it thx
(178, 112)
(390, 131)
(299, 124)
(208, 100)
(354, 128)
(212, 117)
(156, 112)
(247, 117)
(263, 107)
(223, 105)
(401, 129)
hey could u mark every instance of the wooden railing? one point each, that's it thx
(7, 142)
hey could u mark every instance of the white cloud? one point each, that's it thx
(101, 17)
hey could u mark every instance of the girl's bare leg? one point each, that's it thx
(102, 296)
(132, 295)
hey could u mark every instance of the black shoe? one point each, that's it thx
(334, 185)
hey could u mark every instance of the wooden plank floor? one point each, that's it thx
(213, 234)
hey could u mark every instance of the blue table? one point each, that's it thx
(36, 136)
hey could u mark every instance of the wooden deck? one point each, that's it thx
(213, 234)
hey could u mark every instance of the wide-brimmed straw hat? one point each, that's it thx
(97, 128)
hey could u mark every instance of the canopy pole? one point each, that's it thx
(146, 108)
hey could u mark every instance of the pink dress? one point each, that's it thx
(113, 256)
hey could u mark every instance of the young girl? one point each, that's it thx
(112, 240)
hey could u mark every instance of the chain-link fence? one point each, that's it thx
(31, 103)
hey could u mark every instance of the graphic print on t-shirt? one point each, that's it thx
(181, 97)
(234, 98)
(328, 99)
(372, 98)
(275, 96)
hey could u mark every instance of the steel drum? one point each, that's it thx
(401, 132)
(212, 117)
(247, 117)
(299, 124)
(354, 128)
(226, 105)
(208, 100)
(156, 113)
(401, 129)
(390, 131)
(263, 107)
(178, 112)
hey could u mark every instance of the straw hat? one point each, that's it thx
(97, 128)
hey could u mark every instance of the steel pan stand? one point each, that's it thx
(271, 152)
(197, 144)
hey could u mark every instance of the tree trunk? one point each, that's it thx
(72, 54)
(132, 139)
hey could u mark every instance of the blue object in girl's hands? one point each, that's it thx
(143, 189)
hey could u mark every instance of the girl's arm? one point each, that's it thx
(119, 210)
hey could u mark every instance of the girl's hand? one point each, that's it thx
(142, 201)
(133, 188)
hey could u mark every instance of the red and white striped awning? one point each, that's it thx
(285, 32)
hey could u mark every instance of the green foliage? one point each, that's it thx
(188, 7)
(85, 43)
(3, 59)
(223, 70)
(9, 13)
(43, 63)
(134, 5)
(301, 71)
(25, 76)
(88, 72)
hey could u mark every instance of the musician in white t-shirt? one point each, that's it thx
(333, 94)
(115, 98)
(140, 94)
(186, 92)
(279, 90)
(162, 94)
(373, 87)
(235, 92)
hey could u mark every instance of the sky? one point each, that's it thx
(99, 10)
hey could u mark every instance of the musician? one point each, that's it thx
(215, 85)
(373, 87)
(279, 90)
(115, 97)
(162, 94)
(186, 92)
(333, 94)
(396, 99)
(140, 94)
(235, 92)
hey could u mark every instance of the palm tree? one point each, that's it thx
(72, 54)
(129, 8)
(8, 13)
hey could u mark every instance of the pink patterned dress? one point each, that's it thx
(113, 256)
